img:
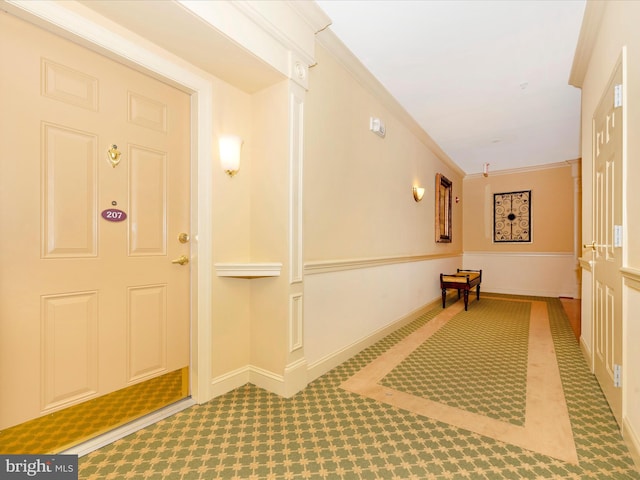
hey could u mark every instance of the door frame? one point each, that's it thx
(57, 19)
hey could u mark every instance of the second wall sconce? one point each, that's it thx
(418, 193)
(230, 146)
(485, 170)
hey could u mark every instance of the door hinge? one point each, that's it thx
(617, 235)
(617, 96)
(617, 375)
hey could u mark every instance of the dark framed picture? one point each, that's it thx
(443, 209)
(512, 217)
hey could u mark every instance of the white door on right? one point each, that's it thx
(607, 247)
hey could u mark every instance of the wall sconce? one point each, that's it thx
(485, 170)
(230, 146)
(418, 193)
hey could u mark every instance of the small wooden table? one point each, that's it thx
(463, 280)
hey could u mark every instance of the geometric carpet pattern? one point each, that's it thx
(486, 374)
(546, 428)
(327, 432)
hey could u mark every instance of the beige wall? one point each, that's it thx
(360, 216)
(552, 209)
(231, 242)
(619, 29)
(357, 188)
(269, 226)
(251, 225)
(550, 261)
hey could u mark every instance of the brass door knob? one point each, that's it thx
(593, 246)
(181, 260)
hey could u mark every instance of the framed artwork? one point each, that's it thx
(443, 209)
(512, 217)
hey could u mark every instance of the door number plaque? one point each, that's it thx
(114, 215)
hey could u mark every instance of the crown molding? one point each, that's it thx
(311, 13)
(593, 13)
(546, 166)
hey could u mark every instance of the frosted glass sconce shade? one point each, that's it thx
(230, 146)
(418, 193)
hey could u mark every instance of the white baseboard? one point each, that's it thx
(295, 378)
(322, 366)
(526, 292)
(549, 274)
(131, 427)
(298, 374)
(229, 381)
(266, 379)
(287, 385)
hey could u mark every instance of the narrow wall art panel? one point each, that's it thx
(512, 217)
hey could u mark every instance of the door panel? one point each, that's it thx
(147, 112)
(68, 85)
(88, 306)
(147, 331)
(70, 219)
(147, 202)
(607, 335)
(70, 347)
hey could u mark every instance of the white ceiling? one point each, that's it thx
(487, 80)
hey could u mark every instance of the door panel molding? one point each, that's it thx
(69, 330)
(148, 201)
(68, 85)
(147, 112)
(69, 218)
(146, 332)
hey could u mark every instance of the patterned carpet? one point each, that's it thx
(328, 432)
(466, 381)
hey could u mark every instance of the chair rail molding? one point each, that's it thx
(631, 277)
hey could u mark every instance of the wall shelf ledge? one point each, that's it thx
(248, 270)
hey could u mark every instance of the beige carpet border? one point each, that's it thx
(547, 428)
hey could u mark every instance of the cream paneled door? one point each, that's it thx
(90, 301)
(607, 251)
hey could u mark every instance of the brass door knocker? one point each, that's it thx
(113, 155)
